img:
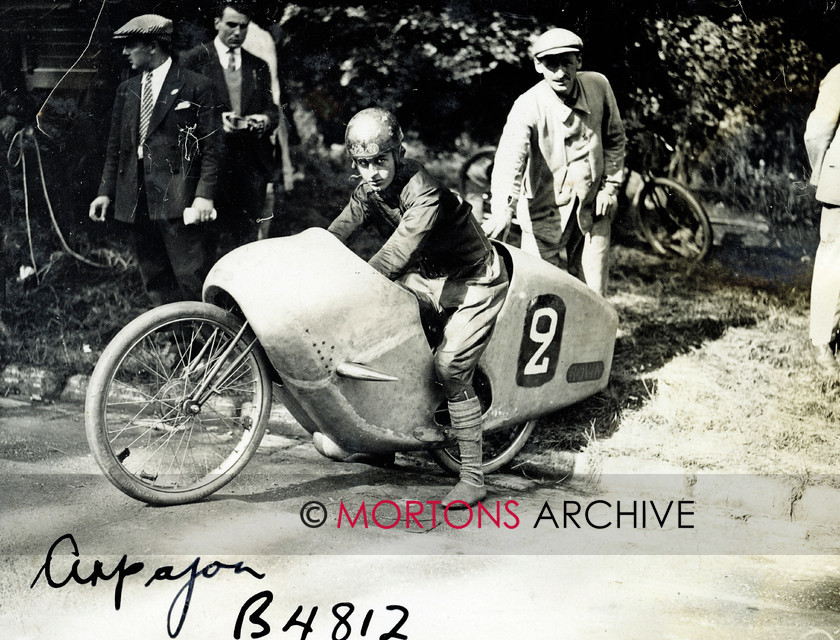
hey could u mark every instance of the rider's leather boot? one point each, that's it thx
(466, 427)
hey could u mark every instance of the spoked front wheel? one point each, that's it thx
(178, 403)
(673, 220)
(499, 448)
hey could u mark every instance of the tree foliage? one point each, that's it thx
(696, 77)
(427, 64)
(705, 75)
(708, 80)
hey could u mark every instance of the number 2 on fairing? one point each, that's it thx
(537, 363)
(541, 337)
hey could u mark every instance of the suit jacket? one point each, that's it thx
(822, 141)
(180, 154)
(256, 94)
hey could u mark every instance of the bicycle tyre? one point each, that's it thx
(672, 220)
(474, 179)
(150, 440)
(499, 448)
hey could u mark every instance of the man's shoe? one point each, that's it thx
(824, 357)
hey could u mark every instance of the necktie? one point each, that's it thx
(233, 79)
(146, 104)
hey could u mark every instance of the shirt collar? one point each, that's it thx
(576, 98)
(222, 51)
(574, 94)
(159, 72)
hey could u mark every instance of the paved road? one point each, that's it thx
(518, 575)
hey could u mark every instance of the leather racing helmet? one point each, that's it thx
(372, 132)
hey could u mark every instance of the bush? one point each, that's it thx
(764, 170)
(702, 81)
(435, 67)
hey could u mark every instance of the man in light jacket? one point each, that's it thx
(562, 149)
(823, 146)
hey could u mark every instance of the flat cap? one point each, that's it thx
(147, 25)
(555, 41)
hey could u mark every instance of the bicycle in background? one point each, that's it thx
(668, 216)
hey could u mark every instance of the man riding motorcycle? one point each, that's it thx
(435, 249)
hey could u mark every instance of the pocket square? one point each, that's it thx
(184, 104)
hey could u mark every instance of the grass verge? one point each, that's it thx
(710, 374)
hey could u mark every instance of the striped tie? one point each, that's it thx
(233, 79)
(146, 104)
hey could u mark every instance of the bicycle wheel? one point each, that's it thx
(475, 180)
(672, 219)
(178, 403)
(499, 448)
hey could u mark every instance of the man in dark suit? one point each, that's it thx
(247, 114)
(162, 158)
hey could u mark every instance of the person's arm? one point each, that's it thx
(107, 185)
(272, 110)
(614, 143)
(268, 115)
(822, 122)
(351, 220)
(210, 156)
(418, 219)
(508, 170)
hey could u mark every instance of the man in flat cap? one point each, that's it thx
(562, 152)
(162, 158)
(247, 114)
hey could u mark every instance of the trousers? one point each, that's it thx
(468, 303)
(825, 283)
(587, 254)
(173, 258)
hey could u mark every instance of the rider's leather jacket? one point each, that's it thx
(428, 228)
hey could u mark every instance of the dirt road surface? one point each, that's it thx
(557, 560)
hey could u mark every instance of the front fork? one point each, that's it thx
(210, 383)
